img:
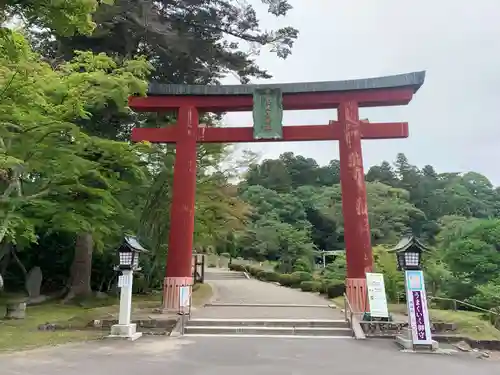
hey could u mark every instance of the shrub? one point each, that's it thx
(268, 276)
(310, 286)
(323, 287)
(302, 265)
(299, 277)
(253, 270)
(335, 288)
(237, 267)
(285, 279)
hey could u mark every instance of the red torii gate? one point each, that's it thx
(346, 96)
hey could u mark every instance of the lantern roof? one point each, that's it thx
(409, 241)
(133, 244)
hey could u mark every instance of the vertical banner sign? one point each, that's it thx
(267, 114)
(376, 295)
(184, 296)
(417, 308)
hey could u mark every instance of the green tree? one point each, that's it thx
(54, 174)
(65, 18)
(382, 173)
(271, 174)
(171, 33)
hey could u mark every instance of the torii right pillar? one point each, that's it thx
(357, 237)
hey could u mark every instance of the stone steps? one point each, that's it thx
(298, 323)
(268, 327)
(224, 275)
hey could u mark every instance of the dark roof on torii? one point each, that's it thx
(409, 80)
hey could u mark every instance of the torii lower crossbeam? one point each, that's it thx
(299, 133)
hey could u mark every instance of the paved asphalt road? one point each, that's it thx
(242, 356)
(238, 356)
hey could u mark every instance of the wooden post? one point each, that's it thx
(180, 242)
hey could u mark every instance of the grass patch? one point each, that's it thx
(470, 324)
(24, 334)
(201, 294)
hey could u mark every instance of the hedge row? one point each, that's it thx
(297, 280)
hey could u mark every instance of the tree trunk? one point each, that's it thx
(81, 269)
(4, 257)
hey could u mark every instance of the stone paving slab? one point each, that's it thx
(229, 356)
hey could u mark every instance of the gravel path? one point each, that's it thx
(251, 291)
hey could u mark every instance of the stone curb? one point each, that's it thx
(450, 339)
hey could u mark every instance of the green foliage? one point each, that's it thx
(303, 265)
(253, 270)
(335, 288)
(285, 279)
(268, 276)
(237, 267)
(297, 278)
(310, 286)
(65, 18)
(456, 213)
(336, 269)
(487, 295)
(54, 174)
(216, 33)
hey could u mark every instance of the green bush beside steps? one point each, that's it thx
(297, 280)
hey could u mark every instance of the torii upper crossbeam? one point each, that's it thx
(346, 96)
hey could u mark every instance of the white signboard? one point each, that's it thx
(124, 280)
(417, 308)
(376, 295)
(184, 296)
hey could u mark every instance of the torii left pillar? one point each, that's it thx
(180, 241)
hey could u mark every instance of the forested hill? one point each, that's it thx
(296, 210)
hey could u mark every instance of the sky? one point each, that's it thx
(454, 118)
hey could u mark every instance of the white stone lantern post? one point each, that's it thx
(128, 255)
